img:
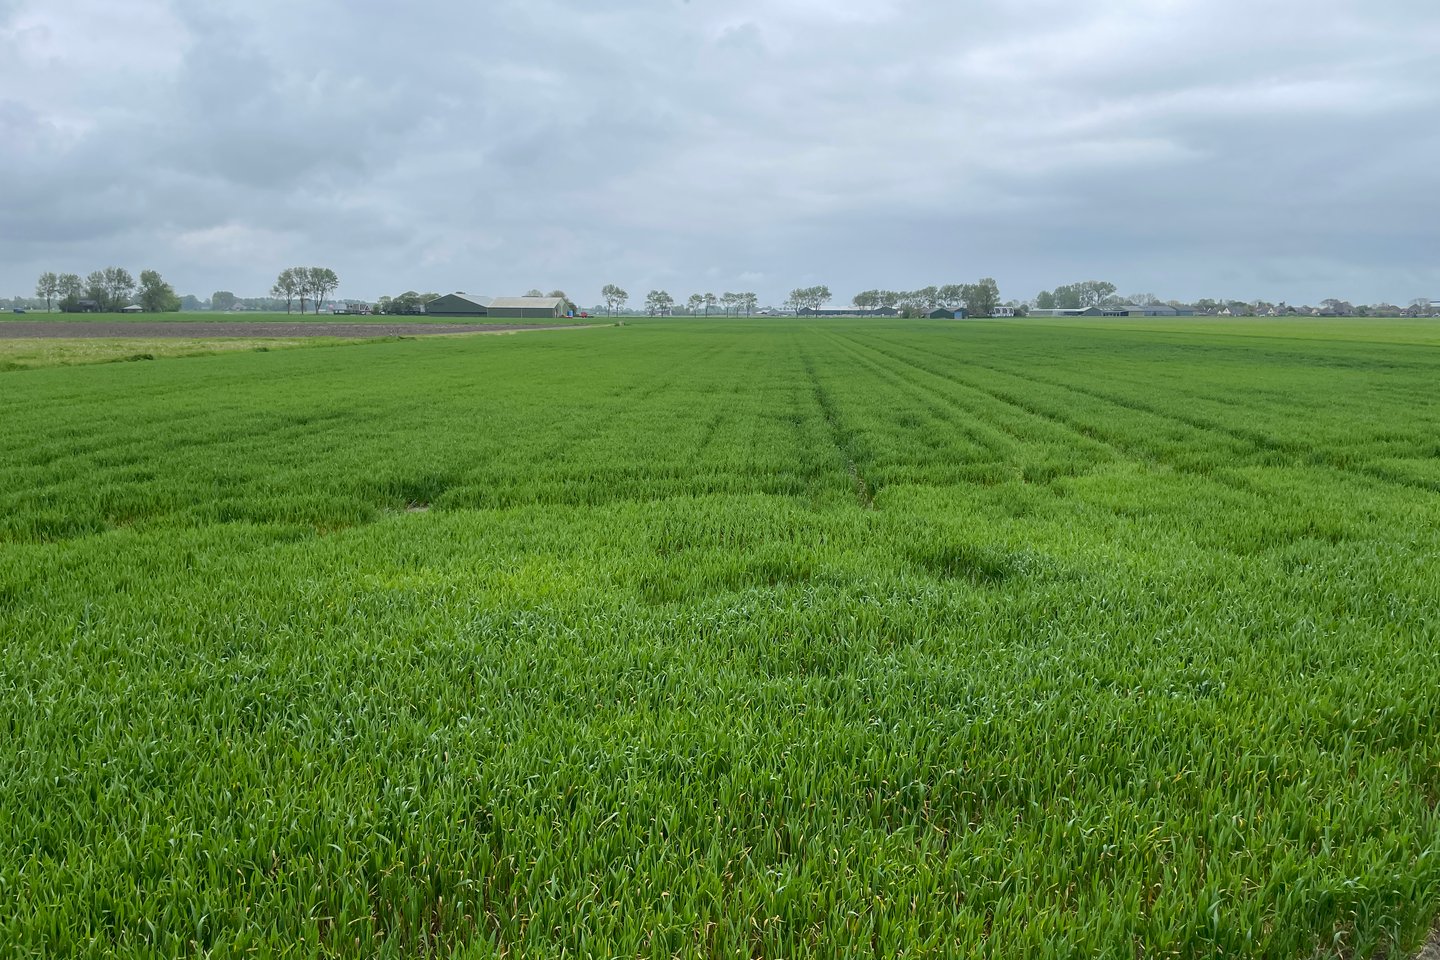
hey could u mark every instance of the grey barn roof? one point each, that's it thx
(477, 300)
(538, 303)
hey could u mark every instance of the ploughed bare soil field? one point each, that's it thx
(89, 329)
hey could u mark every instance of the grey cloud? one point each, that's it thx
(1278, 150)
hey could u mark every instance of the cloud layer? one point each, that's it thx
(1189, 148)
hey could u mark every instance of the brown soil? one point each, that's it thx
(101, 329)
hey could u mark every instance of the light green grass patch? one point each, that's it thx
(30, 353)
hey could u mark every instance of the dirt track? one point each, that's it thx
(14, 330)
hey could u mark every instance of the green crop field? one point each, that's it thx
(729, 639)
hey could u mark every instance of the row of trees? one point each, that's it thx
(659, 303)
(1101, 293)
(733, 304)
(305, 283)
(1082, 295)
(812, 298)
(979, 298)
(109, 290)
(404, 304)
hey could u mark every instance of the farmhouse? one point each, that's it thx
(459, 305)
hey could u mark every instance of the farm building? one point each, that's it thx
(1122, 310)
(527, 308)
(945, 313)
(133, 308)
(80, 306)
(497, 308)
(459, 305)
(1157, 310)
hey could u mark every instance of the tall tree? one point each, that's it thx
(70, 289)
(110, 288)
(570, 306)
(615, 297)
(222, 300)
(1045, 300)
(865, 300)
(749, 302)
(533, 292)
(710, 303)
(157, 296)
(951, 296)
(120, 286)
(47, 288)
(1095, 291)
(407, 304)
(95, 288)
(982, 297)
(728, 301)
(287, 287)
(695, 302)
(321, 282)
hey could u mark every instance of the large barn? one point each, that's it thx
(527, 308)
(496, 308)
(459, 305)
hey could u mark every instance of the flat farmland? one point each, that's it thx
(729, 639)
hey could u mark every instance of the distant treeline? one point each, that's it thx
(105, 291)
(114, 288)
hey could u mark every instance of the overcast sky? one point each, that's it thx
(1284, 149)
